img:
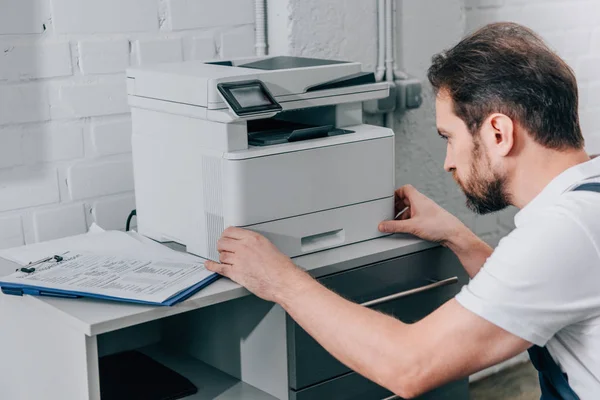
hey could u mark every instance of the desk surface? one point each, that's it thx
(94, 317)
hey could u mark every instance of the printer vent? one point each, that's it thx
(213, 203)
(214, 229)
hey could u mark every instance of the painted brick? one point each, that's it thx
(27, 188)
(484, 3)
(102, 57)
(24, 103)
(112, 137)
(192, 14)
(570, 42)
(592, 142)
(112, 213)
(595, 47)
(23, 16)
(590, 120)
(11, 148)
(53, 143)
(27, 61)
(94, 179)
(78, 100)
(106, 16)
(541, 17)
(588, 69)
(417, 23)
(59, 222)
(589, 96)
(203, 48)
(238, 42)
(11, 232)
(158, 51)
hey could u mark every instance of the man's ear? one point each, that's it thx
(501, 134)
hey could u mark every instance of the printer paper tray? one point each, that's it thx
(322, 230)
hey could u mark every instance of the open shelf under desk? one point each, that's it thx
(212, 383)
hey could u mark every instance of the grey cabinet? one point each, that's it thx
(258, 343)
(352, 386)
(309, 363)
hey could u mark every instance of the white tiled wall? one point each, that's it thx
(65, 152)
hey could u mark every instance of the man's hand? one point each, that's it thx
(251, 260)
(424, 218)
(429, 221)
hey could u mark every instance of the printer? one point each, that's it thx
(276, 145)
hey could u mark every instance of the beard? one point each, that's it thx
(485, 189)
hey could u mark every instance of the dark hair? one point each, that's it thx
(507, 68)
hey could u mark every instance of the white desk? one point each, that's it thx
(50, 346)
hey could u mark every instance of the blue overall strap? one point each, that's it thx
(588, 187)
(553, 382)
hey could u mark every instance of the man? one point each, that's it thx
(507, 107)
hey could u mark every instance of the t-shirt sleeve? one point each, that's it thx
(538, 280)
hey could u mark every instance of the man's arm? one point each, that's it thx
(407, 359)
(431, 222)
(470, 250)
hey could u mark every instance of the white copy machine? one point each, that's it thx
(276, 145)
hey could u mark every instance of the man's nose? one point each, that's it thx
(449, 163)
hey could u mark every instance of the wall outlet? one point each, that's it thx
(405, 94)
(408, 92)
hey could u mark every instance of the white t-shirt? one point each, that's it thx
(542, 283)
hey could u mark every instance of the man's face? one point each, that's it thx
(468, 160)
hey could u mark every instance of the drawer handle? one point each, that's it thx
(410, 292)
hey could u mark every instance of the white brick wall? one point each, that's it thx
(65, 130)
(192, 14)
(24, 103)
(103, 56)
(11, 231)
(158, 51)
(572, 29)
(104, 16)
(59, 222)
(35, 60)
(23, 16)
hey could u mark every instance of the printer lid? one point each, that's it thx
(195, 82)
(289, 62)
(268, 85)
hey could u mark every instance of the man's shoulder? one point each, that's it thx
(572, 207)
(561, 233)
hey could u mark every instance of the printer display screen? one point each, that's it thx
(248, 97)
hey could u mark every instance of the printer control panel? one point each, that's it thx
(248, 98)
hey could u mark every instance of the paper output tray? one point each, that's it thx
(271, 131)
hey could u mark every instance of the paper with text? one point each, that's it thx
(114, 276)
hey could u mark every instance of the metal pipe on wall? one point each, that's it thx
(380, 72)
(260, 11)
(389, 54)
(398, 74)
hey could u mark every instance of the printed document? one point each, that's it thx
(118, 276)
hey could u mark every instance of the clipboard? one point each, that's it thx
(20, 289)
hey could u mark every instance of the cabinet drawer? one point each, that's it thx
(424, 281)
(353, 386)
